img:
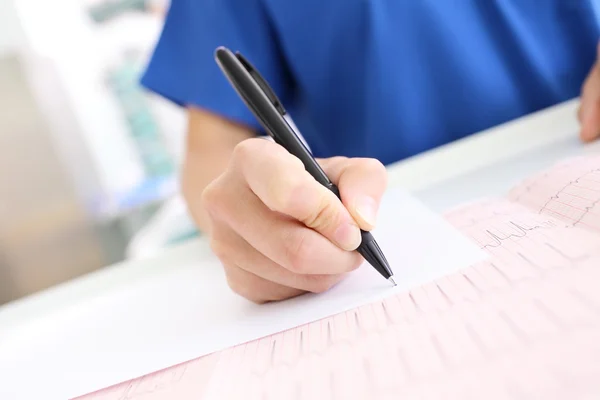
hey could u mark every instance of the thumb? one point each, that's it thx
(362, 182)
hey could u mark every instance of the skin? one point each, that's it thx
(277, 232)
(589, 110)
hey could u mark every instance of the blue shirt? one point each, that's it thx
(381, 78)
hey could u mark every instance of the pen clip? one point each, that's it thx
(260, 81)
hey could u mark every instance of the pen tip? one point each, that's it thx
(371, 252)
(391, 279)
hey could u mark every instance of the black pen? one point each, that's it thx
(266, 107)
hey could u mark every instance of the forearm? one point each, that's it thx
(209, 145)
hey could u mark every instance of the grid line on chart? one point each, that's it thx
(523, 323)
(432, 342)
(578, 185)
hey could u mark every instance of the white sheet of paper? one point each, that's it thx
(188, 311)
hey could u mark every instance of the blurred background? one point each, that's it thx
(88, 160)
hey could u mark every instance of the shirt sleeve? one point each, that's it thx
(183, 69)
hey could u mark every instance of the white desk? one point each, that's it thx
(491, 162)
(482, 165)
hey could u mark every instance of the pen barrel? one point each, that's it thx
(334, 189)
(368, 247)
(294, 145)
(264, 104)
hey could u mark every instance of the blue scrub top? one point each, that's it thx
(381, 78)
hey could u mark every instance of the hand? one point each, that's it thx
(277, 231)
(589, 109)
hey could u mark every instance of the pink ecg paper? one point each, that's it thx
(525, 324)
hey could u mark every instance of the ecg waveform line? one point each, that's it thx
(533, 306)
(501, 318)
(523, 324)
(174, 382)
(569, 191)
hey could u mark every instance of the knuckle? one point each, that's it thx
(220, 249)
(241, 288)
(246, 149)
(278, 295)
(373, 170)
(321, 283)
(286, 160)
(236, 283)
(237, 286)
(297, 252)
(289, 192)
(282, 191)
(374, 165)
(334, 163)
(210, 198)
(338, 159)
(259, 300)
(324, 216)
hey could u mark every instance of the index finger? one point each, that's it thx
(281, 182)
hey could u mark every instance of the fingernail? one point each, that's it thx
(347, 235)
(366, 208)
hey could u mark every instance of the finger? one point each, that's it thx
(589, 111)
(230, 246)
(590, 128)
(255, 288)
(589, 107)
(362, 182)
(283, 185)
(285, 241)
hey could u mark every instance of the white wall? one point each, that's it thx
(67, 54)
(11, 34)
(46, 236)
(65, 57)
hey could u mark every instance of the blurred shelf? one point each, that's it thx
(149, 193)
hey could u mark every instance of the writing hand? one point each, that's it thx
(277, 231)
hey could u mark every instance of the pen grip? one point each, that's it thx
(368, 247)
(335, 190)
